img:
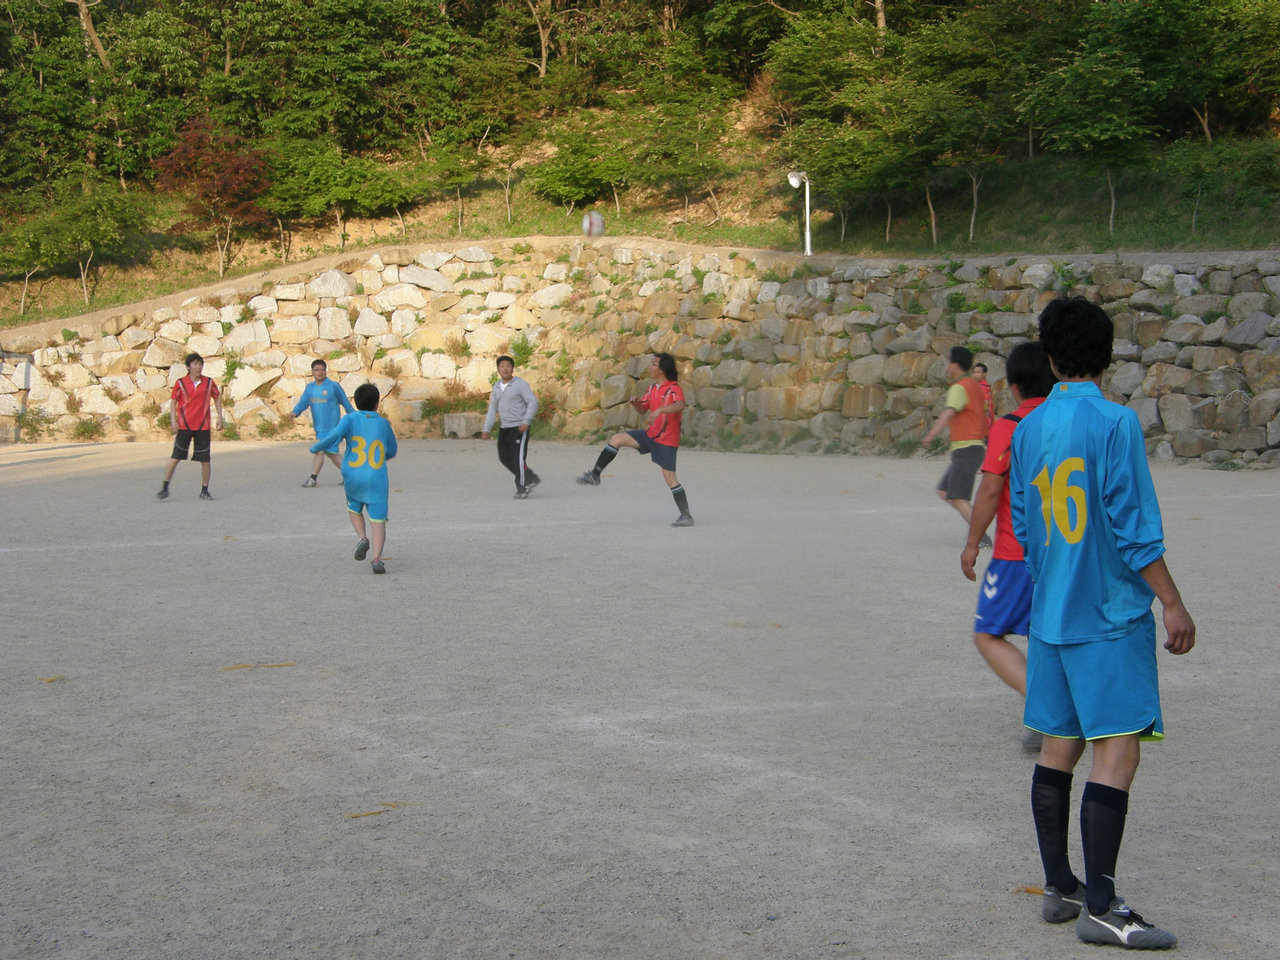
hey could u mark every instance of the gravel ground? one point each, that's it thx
(559, 728)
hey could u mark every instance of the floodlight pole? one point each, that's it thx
(795, 178)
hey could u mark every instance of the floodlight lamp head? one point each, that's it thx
(796, 177)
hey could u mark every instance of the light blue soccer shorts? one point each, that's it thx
(377, 509)
(1096, 689)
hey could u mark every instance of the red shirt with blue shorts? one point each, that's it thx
(1004, 596)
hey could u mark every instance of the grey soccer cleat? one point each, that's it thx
(206, 495)
(1059, 907)
(1122, 927)
(362, 549)
(377, 566)
(590, 479)
(309, 482)
(684, 520)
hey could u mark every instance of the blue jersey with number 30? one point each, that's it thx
(1085, 511)
(370, 444)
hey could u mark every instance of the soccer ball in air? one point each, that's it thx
(593, 223)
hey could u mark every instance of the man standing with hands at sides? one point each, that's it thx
(327, 400)
(189, 420)
(1085, 510)
(966, 417)
(512, 401)
(665, 400)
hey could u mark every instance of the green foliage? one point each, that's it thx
(456, 399)
(33, 423)
(521, 350)
(164, 420)
(234, 362)
(88, 428)
(564, 366)
(68, 335)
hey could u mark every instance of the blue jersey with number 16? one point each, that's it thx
(1085, 511)
(370, 444)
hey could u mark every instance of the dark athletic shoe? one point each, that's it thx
(163, 494)
(522, 493)
(532, 482)
(590, 479)
(1059, 907)
(1122, 927)
(362, 549)
(309, 482)
(206, 495)
(377, 566)
(684, 520)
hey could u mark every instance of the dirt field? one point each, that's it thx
(559, 728)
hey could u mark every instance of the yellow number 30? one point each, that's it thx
(376, 454)
(1056, 497)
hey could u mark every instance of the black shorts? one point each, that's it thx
(663, 455)
(182, 443)
(957, 482)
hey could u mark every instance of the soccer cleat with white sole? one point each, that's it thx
(1121, 927)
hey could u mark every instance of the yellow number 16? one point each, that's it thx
(377, 453)
(1056, 496)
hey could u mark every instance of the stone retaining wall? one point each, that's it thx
(827, 354)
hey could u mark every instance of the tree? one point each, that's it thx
(94, 220)
(964, 55)
(589, 165)
(224, 180)
(679, 129)
(1094, 106)
(27, 249)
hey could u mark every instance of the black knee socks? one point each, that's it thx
(605, 458)
(1051, 810)
(1102, 814)
(682, 501)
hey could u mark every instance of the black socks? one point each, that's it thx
(605, 458)
(681, 499)
(1051, 810)
(1102, 814)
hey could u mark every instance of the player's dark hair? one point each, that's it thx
(980, 366)
(506, 358)
(367, 397)
(1076, 336)
(1028, 370)
(961, 357)
(319, 363)
(192, 358)
(667, 364)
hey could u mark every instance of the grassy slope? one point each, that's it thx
(1046, 205)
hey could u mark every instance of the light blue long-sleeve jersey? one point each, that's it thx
(327, 401)
(370, 444)
(1085, 510)
(515, 404)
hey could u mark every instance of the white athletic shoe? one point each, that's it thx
(1122, 927)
